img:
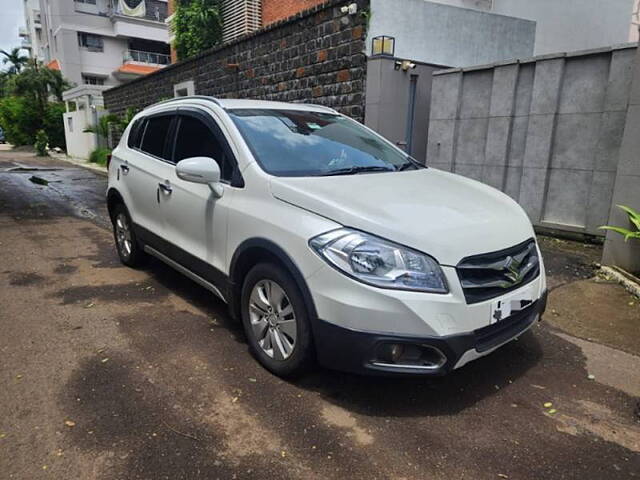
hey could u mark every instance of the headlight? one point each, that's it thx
(379, 262)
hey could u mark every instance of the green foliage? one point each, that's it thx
(15, 60)
(41, 143)
(21, 120)
(25, 107)
(102, 127)
(18, 124)
(99, 156)
(197, 25)
(634, 218)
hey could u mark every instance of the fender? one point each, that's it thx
(283, 257)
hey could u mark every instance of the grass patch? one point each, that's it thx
(99, 156)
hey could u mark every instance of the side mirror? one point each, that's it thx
(203, 170)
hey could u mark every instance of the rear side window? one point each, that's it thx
(196, 139)
(135, 134)
(155, 135)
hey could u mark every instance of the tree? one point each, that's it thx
(25, 107)
(15, 60)
(197, 25)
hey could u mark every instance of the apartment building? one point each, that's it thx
(103, 42)
(31, 33)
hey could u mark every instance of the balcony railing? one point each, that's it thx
(147, 57)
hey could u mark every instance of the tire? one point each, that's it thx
(271, 305)
(129, 250)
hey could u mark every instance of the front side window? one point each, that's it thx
(195, 139)
(155, 135)
(304, 143)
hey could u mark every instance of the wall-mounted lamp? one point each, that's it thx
(383, 45)
(404, 65)
(351, 9)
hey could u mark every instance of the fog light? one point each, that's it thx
(396, 352)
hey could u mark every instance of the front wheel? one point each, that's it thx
(276, 321)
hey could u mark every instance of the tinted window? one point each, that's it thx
(196, 139)
(155, 135)
(304, 143)
(135, 133)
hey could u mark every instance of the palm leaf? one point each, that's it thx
(634, 216)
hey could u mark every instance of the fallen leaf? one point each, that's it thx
(105, 360)
(283, 454)
(548, 405)
(502, 475)
(70, 423)
(552, 411)
(89, 305)
(252, 380)
(591, 376)
(18, 377)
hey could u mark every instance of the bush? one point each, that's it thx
(99, 156)
(21, 121)
(41, 143)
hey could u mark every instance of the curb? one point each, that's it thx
(628, 281)
(81, 163)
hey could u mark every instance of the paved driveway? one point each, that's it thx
(113, 373)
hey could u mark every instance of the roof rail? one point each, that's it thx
(188, 97)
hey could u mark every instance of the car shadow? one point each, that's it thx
(376, 395)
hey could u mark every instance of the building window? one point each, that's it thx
(90, 42)
(90, 2)
(70, 124)
(92, 80)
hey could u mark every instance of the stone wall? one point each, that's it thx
(317, 56)
(546, 130)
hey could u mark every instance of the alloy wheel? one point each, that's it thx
(123, 235)
(273, 320)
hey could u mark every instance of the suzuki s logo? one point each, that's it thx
(512, 267)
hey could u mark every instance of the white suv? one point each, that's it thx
(328, 242)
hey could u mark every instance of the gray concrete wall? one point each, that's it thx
(566, 25)
(387, 102)
(627, 184)
(446, 35)
(547, 131)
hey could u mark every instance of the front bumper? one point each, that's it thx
(355, 351)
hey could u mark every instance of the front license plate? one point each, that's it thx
(506, 305)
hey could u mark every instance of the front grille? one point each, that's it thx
(493, 274)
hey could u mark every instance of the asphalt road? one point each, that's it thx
(113, 373)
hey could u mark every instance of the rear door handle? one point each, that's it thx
(165, 188)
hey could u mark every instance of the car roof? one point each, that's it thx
(236, 103)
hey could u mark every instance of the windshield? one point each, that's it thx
(303, 143)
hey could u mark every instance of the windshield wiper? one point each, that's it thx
(357, 169)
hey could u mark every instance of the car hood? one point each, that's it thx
(444, 215)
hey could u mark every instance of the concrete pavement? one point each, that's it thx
(114, 373)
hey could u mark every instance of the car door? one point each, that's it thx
(195, 219)
(143, 169)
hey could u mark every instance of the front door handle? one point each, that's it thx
(165, 188)
(125, 169)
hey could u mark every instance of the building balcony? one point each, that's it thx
(26, 43)
(23, 32)
(150, 58)
(150, 10)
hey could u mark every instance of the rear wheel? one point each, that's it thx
(276, 321)
(127, 246)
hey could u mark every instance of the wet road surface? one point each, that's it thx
(114, 373)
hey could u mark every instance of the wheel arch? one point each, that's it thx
(113, 198)
(254, 251)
